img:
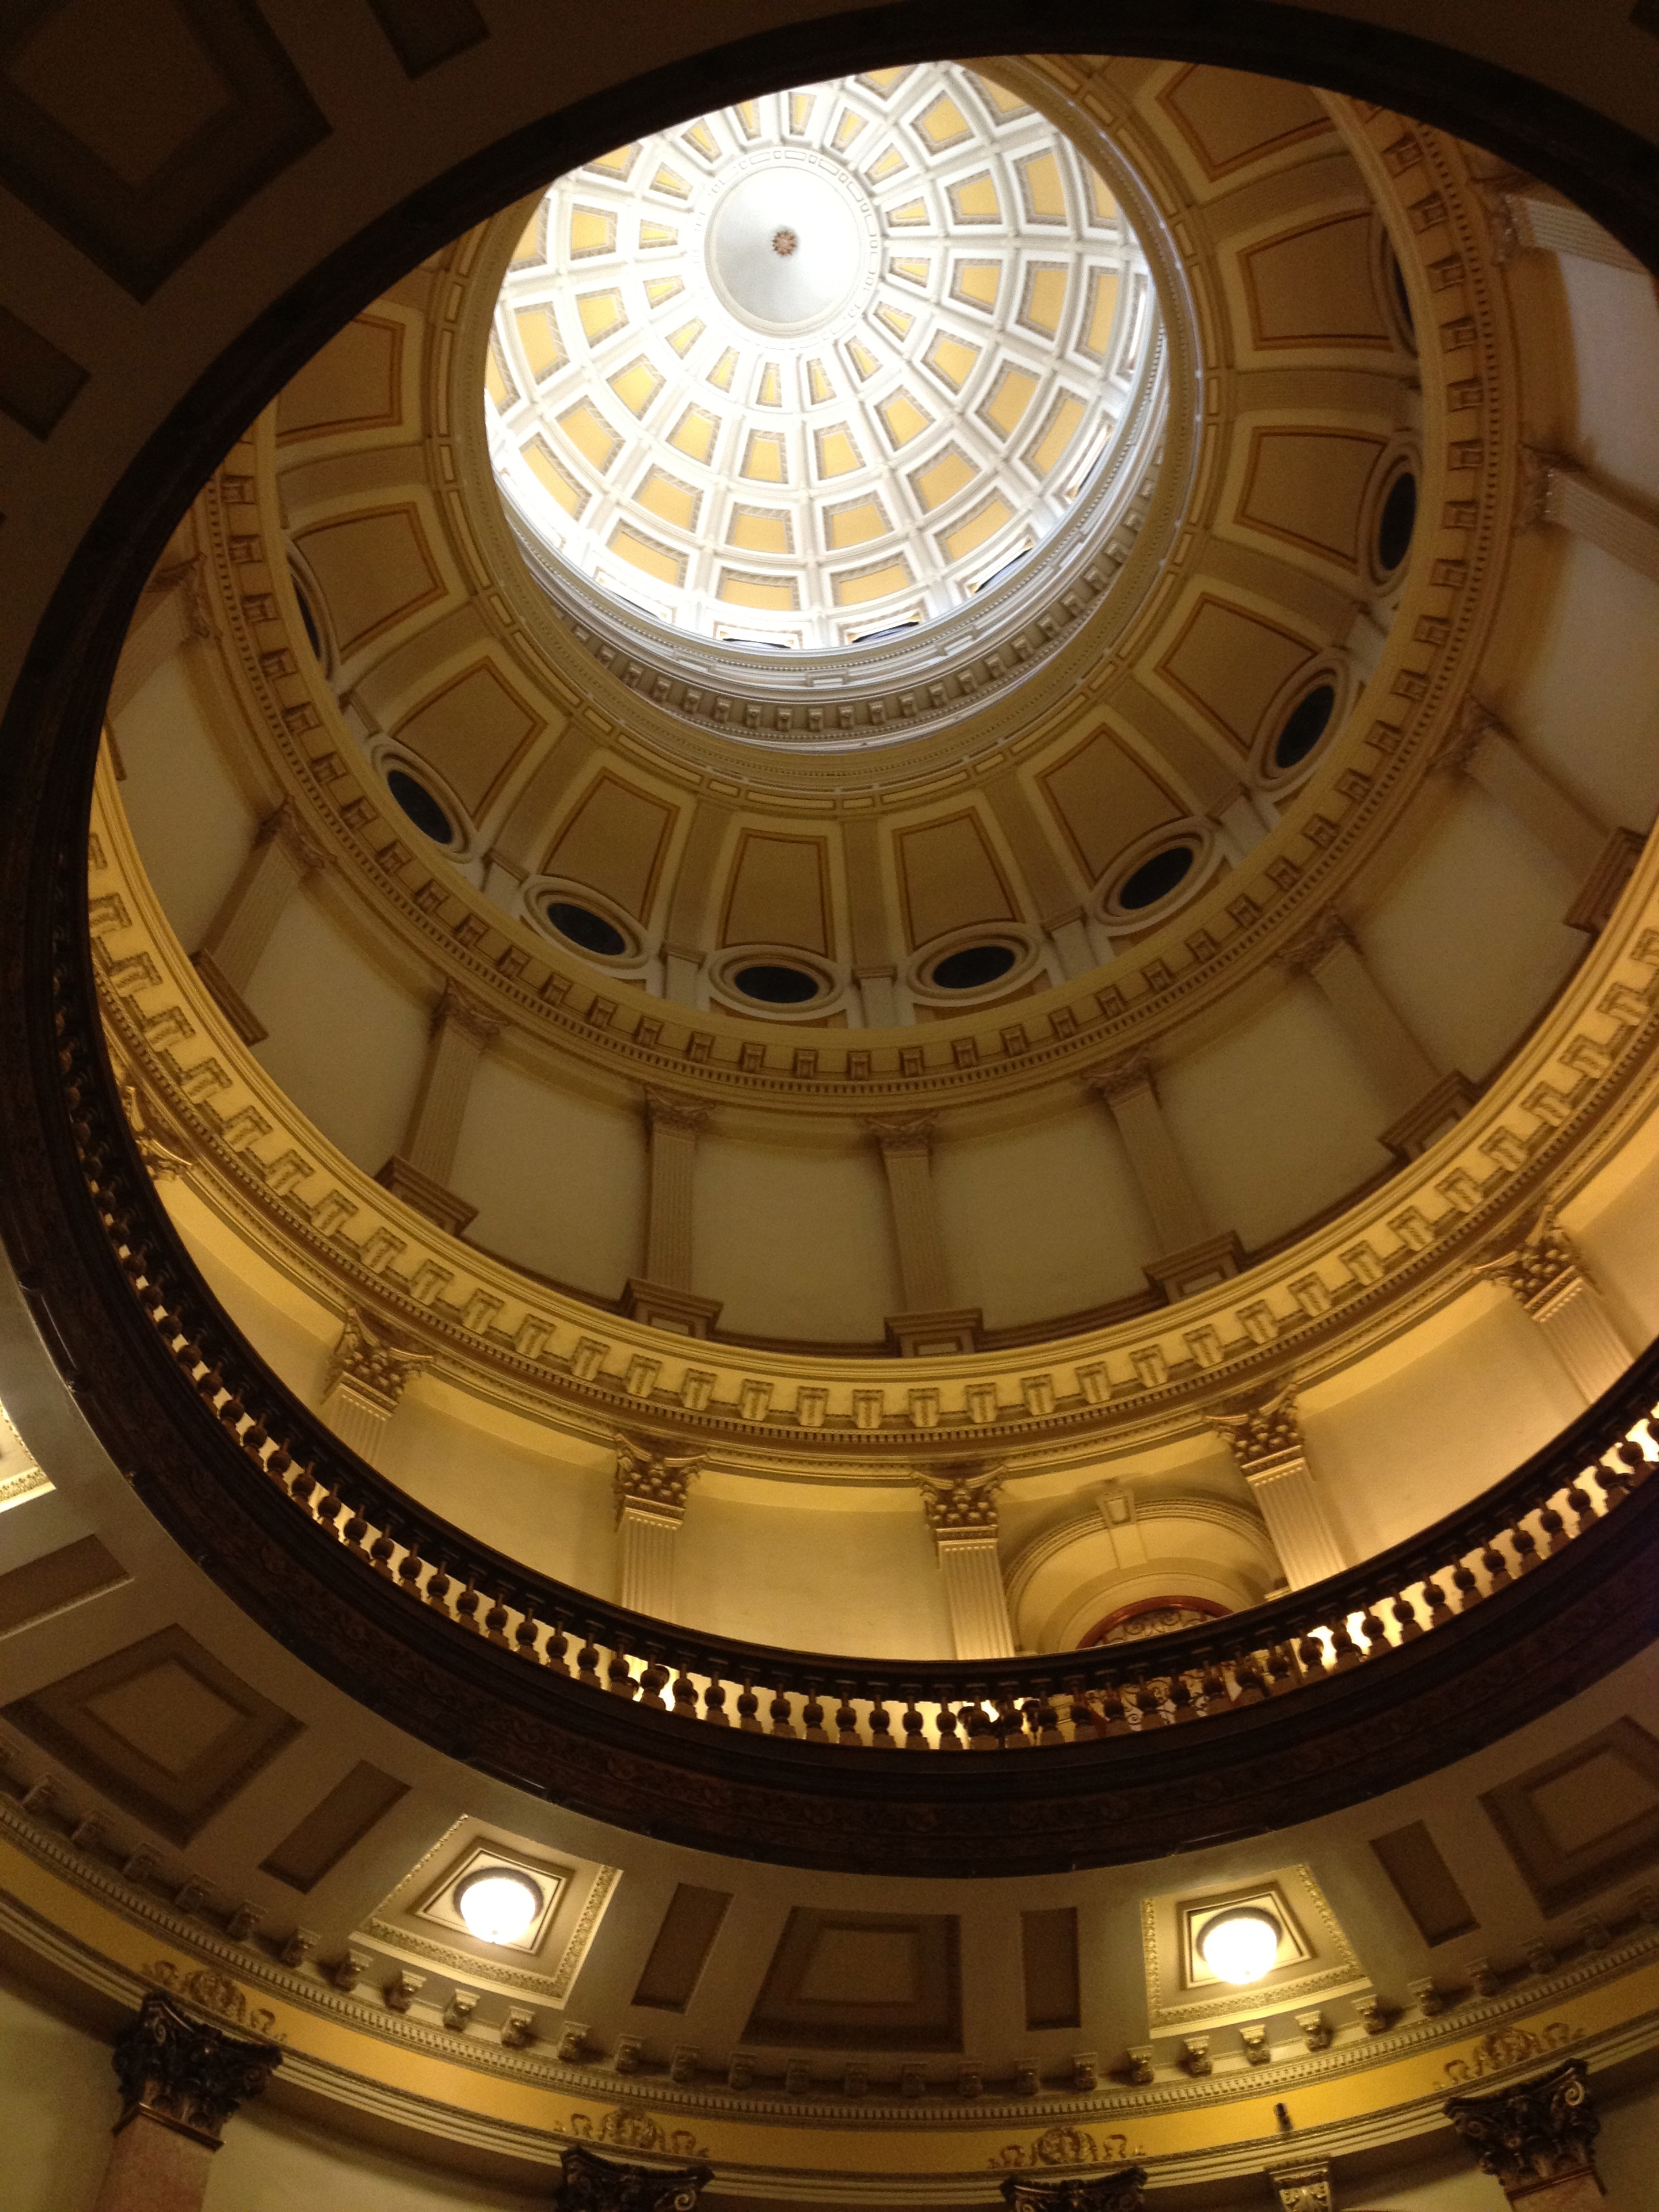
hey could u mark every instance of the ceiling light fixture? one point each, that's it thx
(498, 1906)
(1240, 1946)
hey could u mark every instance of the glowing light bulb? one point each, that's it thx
(1240, 1946)
(497, 1905)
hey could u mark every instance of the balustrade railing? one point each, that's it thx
(1352, 1620)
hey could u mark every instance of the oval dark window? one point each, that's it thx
(1397, 523)
(1304, 726)
(585, 927)
(313, 635)
(774, 985)
(422, 808)
(1155, 879)
(972, 967)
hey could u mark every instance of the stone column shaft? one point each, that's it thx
(460, 1034)
(685, 935)
(650, 1492)
(1624, 527)
(1178, 1218)
(367, 1379)
(1266, 1442)
(975, 1598)
(282, 857)
(180, 2082)
(674, 1125)
(874, 962)
(1544, 1275)
(1492, 759)
(1547, 225)
(1054, 895)
(173, 608)
(906, 1158)
(1396, 1063)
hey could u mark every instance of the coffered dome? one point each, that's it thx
(824, 365)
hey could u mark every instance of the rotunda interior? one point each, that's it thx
(840, 936)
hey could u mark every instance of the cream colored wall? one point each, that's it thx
(811, 1568)
(1040, 1217)
(58, 2103)
(192, 815)
(1614, 314)
(793, 1231)
(273, 2160)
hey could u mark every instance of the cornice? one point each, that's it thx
(1559, 1109)
(1491, 2040)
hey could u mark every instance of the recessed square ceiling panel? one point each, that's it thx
(866, 1981)
(1584, 1820)
(162, 1728)
(1316, 1960)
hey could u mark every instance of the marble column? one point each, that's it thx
(929, 1324)
(650, 1492)
(1482, 749)
(419, 1169)
(961, 1509)
(281, 858)
(1530, 218)
(662, 1295)
(173, 607)
(1557, 490)
(1192, 1253)
(1537, 2140)
(1420, 1101)
(180, 2082)
(1543, 1274)
(1266, 1442)
(367, 1377)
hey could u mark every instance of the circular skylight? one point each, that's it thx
(820, 366)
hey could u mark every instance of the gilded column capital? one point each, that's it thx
(903, 1136)
(1306, 2187)
(1316, 942)
(675, 1110)
(648, 1482)
(1119, 2191)
(1538, 1268)
(456, 1010)
(1122, 1079)
(1265, 1436)
(376, 1366)
(591, 2183)
(1471, 727)
(185, 2072)
(1541, 473)
(961, 1501)
(1537, 2131)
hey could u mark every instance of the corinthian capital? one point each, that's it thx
(1316, 942)
(1263, 1433)
(1539, 2130)
(1536, 1268)
(903, 1134)
(376, 1366)
(961, 1501)
(1122, 1079)
(456, 1010)
(186, 2072)
(648, 1482)
(675, 1110)
(1471, 728)
(285, 828)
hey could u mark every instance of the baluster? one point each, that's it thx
(915, 1729)
(1525, 1547)
(496, 1620)
(1250, 1674)
(685, 1696)
(1311, 1657)
(302, 1487)
(525, 1634)
(811, 1718)
(1441, 1607)
(553, 1652)
(981, 1729)
(1629, 1454)
(1042, 1720)
(881, 1726)
(651, 1685)
(1497, 1567)
(847, 1719)
(1375, 1636)
(438, 1588)
(411, 1568)
(1080, 1713)
(948, 1738)
(1113, 1713)
(1616, 1478)
(1147, 1699)
(1181, 1699)
(1582, 1504)
(278, 1467)
(233, 1413)
(1406, 1616)
(1212, 1686)
(355, 1530)
(713, 1704)
(587, 1663)
(783, 1713)
(466, 1606)
(1556, 1538)
(1467, 1584)
(328, 1510)
(381, 1550)
(1009, 1723)
(619, 1673)
(749, 1711)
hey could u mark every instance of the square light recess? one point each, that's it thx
(482, 1857)
(1267, 1897)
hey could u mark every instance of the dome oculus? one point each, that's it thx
(828, 356)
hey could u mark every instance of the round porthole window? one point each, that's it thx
(776, 985)
(1397, 523)
(972, 967)
(422, 808)
(1302, 729)
(1155, 879)
(581, 926)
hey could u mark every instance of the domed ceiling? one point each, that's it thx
(823, 366)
